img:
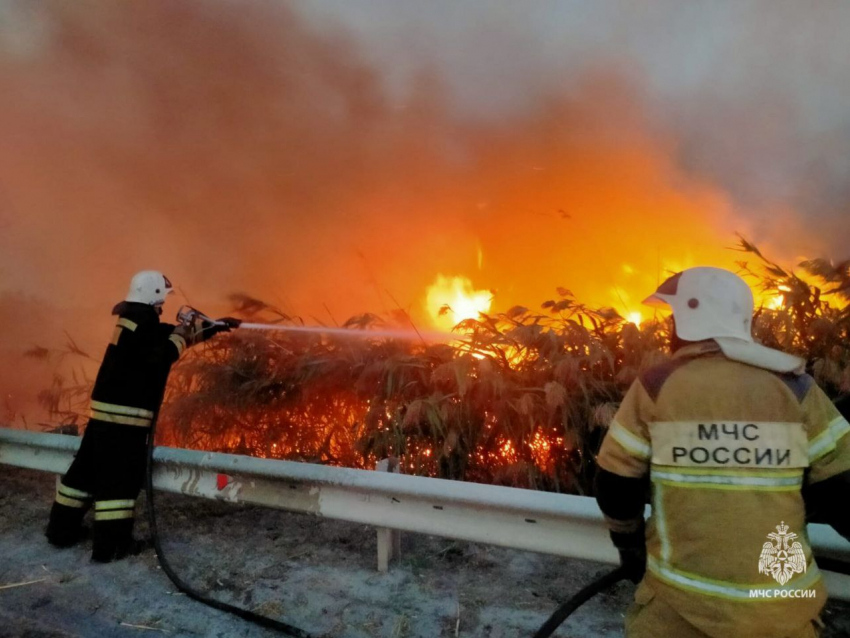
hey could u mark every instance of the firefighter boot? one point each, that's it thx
(112, 540)
(65, 526)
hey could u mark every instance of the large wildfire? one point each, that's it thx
(242, 149)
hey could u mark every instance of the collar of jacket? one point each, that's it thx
(698, 349)
(747, 352)
(138, 312)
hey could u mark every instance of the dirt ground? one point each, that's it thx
(315, 574)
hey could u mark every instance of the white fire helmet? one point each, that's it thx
(712, 303)
(149, 287)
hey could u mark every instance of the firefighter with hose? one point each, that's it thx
(108, 470)
(738, 447)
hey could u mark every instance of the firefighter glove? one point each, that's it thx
(196, 331)
(632, 548)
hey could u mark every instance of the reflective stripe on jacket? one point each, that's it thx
(728, 448)
(132, 377)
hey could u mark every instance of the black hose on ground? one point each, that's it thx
(181, 585)
(568, 608)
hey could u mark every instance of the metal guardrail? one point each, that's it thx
(558, 524)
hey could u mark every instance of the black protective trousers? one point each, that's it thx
(108, 472)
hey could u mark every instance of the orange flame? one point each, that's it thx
(635, 318)
(450, 300)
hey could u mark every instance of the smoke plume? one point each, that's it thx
(265, 148)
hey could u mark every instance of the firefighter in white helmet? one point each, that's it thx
(733, 441)
(149, 288)
(109, 468)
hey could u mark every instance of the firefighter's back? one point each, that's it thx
(731, 448)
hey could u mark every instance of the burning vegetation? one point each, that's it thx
(518, 398)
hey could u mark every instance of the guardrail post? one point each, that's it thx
(389, 540)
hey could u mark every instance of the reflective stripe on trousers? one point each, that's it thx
(698, 584)
(121, 414)
(70, 497)
(114, 509)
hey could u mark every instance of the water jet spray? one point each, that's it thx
(188, 315)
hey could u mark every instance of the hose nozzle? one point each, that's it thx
(187, 316)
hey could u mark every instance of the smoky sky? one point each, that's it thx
(755, 94)
(752, 96)
(335, 156)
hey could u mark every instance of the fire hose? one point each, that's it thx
(186, 315)
(568, 608)
(187, 589)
